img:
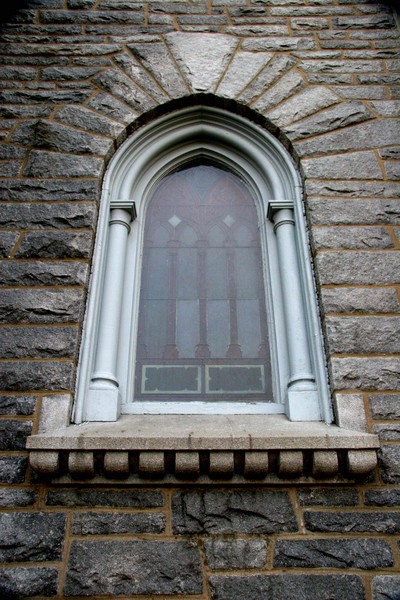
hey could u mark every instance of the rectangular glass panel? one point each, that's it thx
(187, 327)
(165, 379)
(235, 379)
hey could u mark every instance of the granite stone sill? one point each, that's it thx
(203, 449)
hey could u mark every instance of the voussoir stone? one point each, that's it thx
(190, 49)
(118, 84)
(233, 512)
(125, 567)
(341, 115)
(302, 105)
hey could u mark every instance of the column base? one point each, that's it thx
(103, 404)
(303, 405)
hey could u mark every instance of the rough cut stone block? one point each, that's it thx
(364, 22)
(61, 138)
(23, 272)
(67, 73)
(36, 375)
(353, 165)
(17, 405)
(60, 190)
(385, 406)
(386, 587)
(281, 43)
(235, 554)
(38, 342)
(366, 373)
(369, 267)
(7, 242)
(387, 432)
(59, 215)
(232, 512)
(382, 497)
(43, 97)
(95, 16)
(112, 498)
(56, 244)
(57, 164)
(387, 108)
(352, 189)
(24, 582)
(351, 237)
(13, 469)
(359, 335)
(41, 306)
(11, 151)
(337, 211)
(13, 434)
(287, 587)
(117, 523)
(31, 536)
(390, 153)
(118, 84)
(389, 463)
(363, 135)
(307, 102)
(369, 522)
(340, 66)
(133, 567)
(340, 554)
(12, 497)
(327, 497)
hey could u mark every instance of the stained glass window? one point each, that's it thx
(202, 331)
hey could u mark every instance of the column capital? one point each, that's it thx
(125, 204)
(275, 205)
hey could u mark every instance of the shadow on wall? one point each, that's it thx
(8, 10)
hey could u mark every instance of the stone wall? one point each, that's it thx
(76, 75)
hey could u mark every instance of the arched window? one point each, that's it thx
(202, 296)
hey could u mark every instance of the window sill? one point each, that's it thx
(203, 449)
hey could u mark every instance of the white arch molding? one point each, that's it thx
(105, 376)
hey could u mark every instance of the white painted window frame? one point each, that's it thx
(106, 370)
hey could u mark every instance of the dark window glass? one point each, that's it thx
(202, 315)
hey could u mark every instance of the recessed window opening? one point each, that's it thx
(202, 297)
